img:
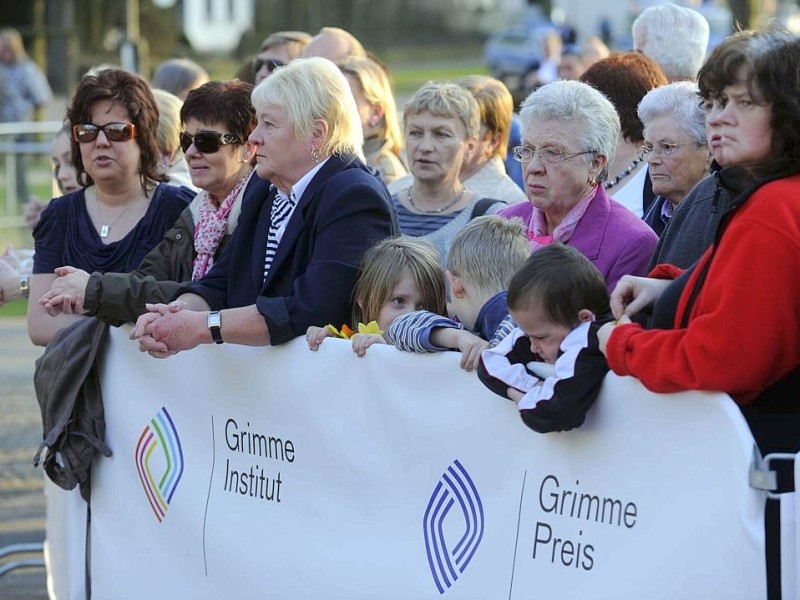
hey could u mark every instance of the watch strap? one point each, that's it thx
(214, 324)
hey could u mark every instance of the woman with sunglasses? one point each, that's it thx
(295, 256)
(217, 118)
(125, 208)
(569, 136)
(277, 50)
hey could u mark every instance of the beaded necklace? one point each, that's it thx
(631, 168)
(436, 210)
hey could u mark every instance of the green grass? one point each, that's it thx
(15, 308)
(408, 81)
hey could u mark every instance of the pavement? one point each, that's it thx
(22, 503)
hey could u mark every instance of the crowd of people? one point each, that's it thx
(654, 233)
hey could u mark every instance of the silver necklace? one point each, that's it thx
(104, 229)
(436, 210)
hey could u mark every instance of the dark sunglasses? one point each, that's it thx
(270, 63)
(207, 141)
(116, 132)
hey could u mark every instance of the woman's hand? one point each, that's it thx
(66, 293)
(9, 282)
(11, 257)
(362, 341)
(634, 294)
(166, 329)
(605, 332)
(315, 335)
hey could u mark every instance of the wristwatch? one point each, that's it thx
(23, 286)
(214, 324)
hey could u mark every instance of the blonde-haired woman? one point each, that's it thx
(383, 139)
(295, 257)
(168, 138)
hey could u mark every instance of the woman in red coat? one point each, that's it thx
(731, 322)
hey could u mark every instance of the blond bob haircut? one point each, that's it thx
(168, 134)
(446, 100)
(385, 264)
(487, 252)
(496, 105)
(310, 89)
(377, 89)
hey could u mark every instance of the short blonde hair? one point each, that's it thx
(168, 134)
(377, 88)
(446, 100)
(314, 88)
(383, 267)
(487, 251)
(496, 105)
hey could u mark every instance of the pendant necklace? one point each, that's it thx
(436, 210)
(104, 229)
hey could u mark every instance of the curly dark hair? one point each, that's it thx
(133, 94)
(625, 77)
(226, 102)
(769, 62)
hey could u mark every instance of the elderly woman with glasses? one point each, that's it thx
(126, 206)
(294, 259)
(217, 118)
(675, 147)
(569, 134)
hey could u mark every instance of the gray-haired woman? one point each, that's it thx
(569, 136)
(675, 147)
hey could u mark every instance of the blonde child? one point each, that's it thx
(398, 275)
(559, 300)
(483, 257)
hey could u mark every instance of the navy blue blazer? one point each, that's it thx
(344, 210)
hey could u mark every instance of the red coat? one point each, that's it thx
(743, 332)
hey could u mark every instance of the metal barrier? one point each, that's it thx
(22, 563)
(11, 148)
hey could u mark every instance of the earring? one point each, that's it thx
(592, 181)
(245, 153)
(314, 155)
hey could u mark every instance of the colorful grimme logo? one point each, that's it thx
(159, 460)
(449, 549)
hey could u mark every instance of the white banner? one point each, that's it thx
(287, 474)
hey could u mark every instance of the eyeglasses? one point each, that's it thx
(550, 156)
(115, 132)
(207, 141)
(270, 63)
(664, 149)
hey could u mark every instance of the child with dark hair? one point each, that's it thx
(551, 365)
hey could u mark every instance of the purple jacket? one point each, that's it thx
(611, 236)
